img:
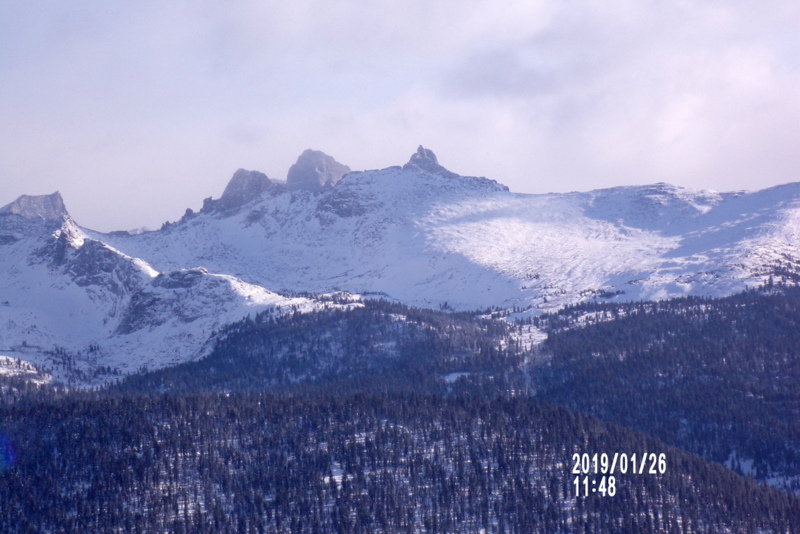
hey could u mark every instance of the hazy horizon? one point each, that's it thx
(135, 112)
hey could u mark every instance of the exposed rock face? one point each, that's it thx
(243, 187)
(315, 170)
(47, 207)
(425, 160)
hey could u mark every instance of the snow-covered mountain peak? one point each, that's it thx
(48, 207)
(74, 305)
(315, 170)
(425, 160)
(424, 163)
(416, 185)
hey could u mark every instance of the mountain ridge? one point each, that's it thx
(417, 234)
(83, 312)
(514, 249)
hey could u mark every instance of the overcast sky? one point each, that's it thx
(137, 110)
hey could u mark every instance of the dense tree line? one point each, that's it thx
(393, 463)
(718, 377)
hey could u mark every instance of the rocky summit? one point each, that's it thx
(425, 160)
(315, 170)
(244, 187)
(48, 207)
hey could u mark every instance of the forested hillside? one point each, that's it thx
(718, 377)
(384, 418)
(263, 463)
(379, 346)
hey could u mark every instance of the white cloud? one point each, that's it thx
(155, 104)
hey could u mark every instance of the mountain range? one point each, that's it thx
(85, 307)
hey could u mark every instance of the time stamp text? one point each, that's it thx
(598, 473)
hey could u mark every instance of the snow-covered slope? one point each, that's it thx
(426, 236)
(83, 311)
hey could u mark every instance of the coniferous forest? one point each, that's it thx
(384, 418)
(717, 377)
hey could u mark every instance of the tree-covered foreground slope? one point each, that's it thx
(380, 417)
(718, 377)
(262, 463)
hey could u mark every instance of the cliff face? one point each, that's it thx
(49, 207)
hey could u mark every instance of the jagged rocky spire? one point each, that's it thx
(315, 170)
(425, 160)
(243, 187)
(49, 207)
